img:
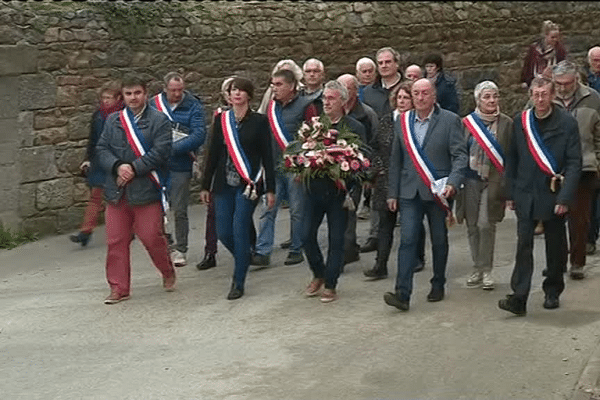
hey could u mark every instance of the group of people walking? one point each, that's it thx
(425, 161)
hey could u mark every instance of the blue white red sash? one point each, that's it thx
(162, 105)
(236, 152)
(539, 151)
(486, 140)
(140, 147)
(282, 136)
(422, 164)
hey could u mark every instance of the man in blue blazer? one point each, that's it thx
(428, 144)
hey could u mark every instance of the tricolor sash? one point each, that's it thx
(140, 147)
(162, 105)
(282, 136)
(486, 140)
(422, 164)
(542, 156)
(236, 152)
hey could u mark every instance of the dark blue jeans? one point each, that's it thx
(411, 217)
(233, 214)
(323, 198)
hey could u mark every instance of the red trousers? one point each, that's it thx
(122, 221)
(95, 206)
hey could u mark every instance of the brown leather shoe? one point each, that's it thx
(314, 287)
(115, 298)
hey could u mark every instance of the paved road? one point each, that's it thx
(59, 341)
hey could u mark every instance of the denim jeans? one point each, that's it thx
(233, 214)
(296, 194)
(411, 217)
(324, 199)
(179, 198)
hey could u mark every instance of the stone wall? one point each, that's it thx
(55, 55)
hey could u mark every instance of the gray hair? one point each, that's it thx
(313, 61)
(292, 67)
(365, 60)
(173, 76)
(335, 85)
(481, 86)
(565, 68)
(395, 54)
(352, 79)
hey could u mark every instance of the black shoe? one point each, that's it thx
(436, 294)
(294, 258)
(551, 302)
(208, 262)
(259, 259)
(370, 246)
(420, 266)
(81, 238)
(351, 257)
(376, 273)
(235, 293)
(392, 299)
(287, 244)
(513, 305)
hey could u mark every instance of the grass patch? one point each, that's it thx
(10, 240)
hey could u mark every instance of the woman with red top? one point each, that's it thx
(543, 53)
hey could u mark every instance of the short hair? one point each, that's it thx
(335, 85)
(287, 76)
(314, 61)
(395, 54)
(226, 86)
(565, 68)
(113, 86)
(352, 79)
(244, 85)
(540, 81)
(434, 58)
(132, 79)
(404, 85)
(481, 86)
(173, 76)
(549, 26)
(292, 67)
(415, 66)
(365, 60)
(592, 50)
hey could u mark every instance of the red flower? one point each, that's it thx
(355, 165)
(366, 163)
(340, 184)
(288, 163)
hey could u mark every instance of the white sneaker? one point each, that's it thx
(488, 281)
(178, 258)
(475, 278)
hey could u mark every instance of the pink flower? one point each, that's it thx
(366, 163)
(328, 142)
(309, 144)
(345, 166)
(288, 162)
(355, 165)
(300, 159)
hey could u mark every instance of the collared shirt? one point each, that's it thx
(137, 117)
(421, 126)
(383, 85)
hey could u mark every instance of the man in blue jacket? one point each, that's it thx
(186, 114)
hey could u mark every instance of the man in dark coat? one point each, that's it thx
(538, 195)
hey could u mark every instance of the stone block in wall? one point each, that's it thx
(36, 91)
(27, 200)
(50, 136)
(10, 199)
(70, 218)
(25, 128)
(52, 34)
(10, 35)
(80, 59)
(43, 225)
(44, 119)
(119, 55)
(81, 192)
(68, 158)
(9, 131)
(67, 96)
(51, 60)
(9, 89)
(19, 59)
(37, 163)
(79, 126)
(56, 193)
(63, 80)
(8, 153)
(9, 177)
(9, 220)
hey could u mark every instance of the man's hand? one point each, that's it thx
(448, 192)
(125, 173)
(392, 205)
(511, 204)
(561, 209)
(205, 196)
(270, 197)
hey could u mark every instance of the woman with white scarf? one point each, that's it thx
(483, 198)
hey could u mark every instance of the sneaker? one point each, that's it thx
(488, 281)
(314, 287)
(115, 298)
(178, 258)
(294, 258)
(328, 296)
(475, 279)
(259, 259)
(576, 272)
(169, 284)
(81, 238)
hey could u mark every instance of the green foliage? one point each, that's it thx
(10, 240)
(131, 20)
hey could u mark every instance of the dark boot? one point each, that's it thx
(81, 238)
(377, 272)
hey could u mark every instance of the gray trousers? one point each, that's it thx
(179, 198)
(482, 232)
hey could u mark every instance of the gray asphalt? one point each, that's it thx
(59, 341)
